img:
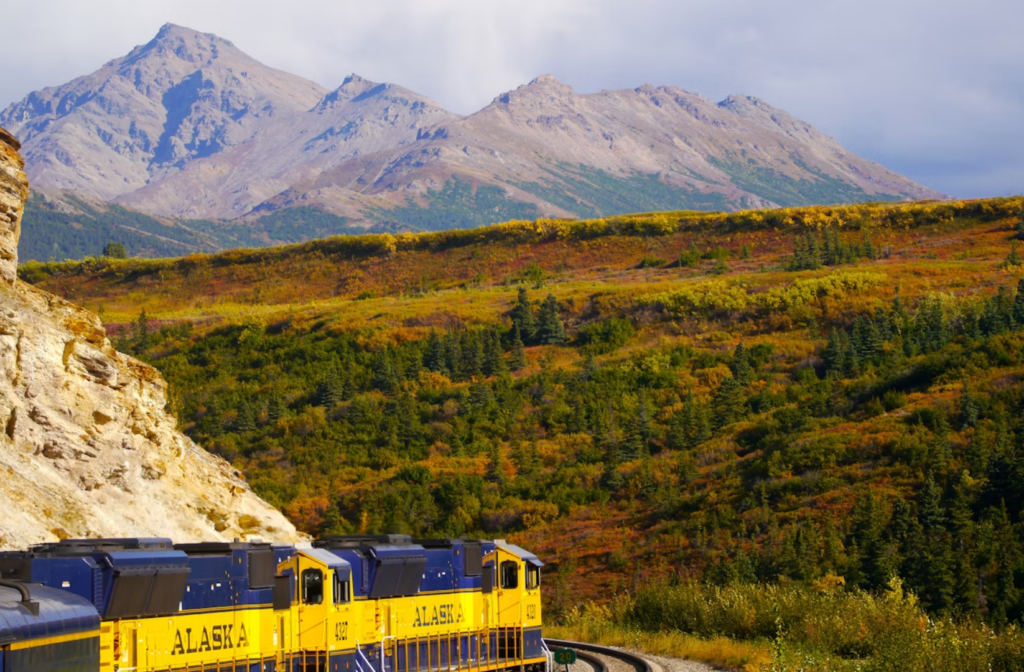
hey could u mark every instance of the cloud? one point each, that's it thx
(932, 89)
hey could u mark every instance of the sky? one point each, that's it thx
(933, 89)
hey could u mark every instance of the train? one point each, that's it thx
(365, 603)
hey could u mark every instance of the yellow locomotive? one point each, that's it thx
(356, 604)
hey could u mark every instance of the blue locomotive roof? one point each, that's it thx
(522, 553)
(60, 613)
(121, 577)
(330, 559)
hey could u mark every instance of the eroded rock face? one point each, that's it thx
(86, 448)
(13, 192)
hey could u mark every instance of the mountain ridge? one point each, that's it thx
(189, 126)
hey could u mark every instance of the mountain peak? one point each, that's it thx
(170, 31)
(545, 79)
(186, 44)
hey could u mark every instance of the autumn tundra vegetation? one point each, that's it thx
(788, 438)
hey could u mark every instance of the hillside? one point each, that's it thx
(768, 395)
(190, 127)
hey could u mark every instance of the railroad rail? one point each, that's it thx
(583, 650)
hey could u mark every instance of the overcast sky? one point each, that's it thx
(933, 89)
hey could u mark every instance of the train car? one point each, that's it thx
(354, 604)
(47, 630)
(427, 605)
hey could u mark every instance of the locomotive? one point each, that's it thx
(367, 603)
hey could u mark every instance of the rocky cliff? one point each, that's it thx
(86, 448)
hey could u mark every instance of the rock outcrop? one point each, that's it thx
(86, 447)
(13, 192)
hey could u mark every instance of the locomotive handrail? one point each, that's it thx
(26, 597)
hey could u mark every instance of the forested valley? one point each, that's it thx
(723, 426)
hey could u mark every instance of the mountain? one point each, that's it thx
(188, 126)
(87, 447)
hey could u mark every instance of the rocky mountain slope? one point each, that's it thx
(189, 126)
(87, 448)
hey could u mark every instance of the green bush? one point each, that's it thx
(689, 258)
(873, 632)
(606, 336)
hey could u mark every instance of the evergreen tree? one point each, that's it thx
(115, 250)
(727, 405)
(1013, 258)
(434, 358)
(246, 419)
(141, 332)
(969, 408)
(867, 247)
(1017, 311)
(682, 426)
(834, 355)
(275, 408)
(701, 425)
(472, 354)
(742, 371)
(806, 253)
(453, 356)
(329, 391)
(384, 376)
(638, 432)
(493, 356)
(549, 326)
(1020, 223)
(522, 317)
(495, 466)
(589, 367)
(517, 361)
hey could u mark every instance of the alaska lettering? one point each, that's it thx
(217, 638)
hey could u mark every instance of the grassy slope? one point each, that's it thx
(396, 289)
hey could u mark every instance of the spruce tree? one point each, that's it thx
(453, 356)
(867, 247)
(522, 317)
(1020, 223)
(727, 405)
(275, 408)
(329, 391)
(1018, 306)
(434, 357)
(1013, 258)
(701, 424)
(246, 419)
(495, 466)
(549, 326)
(493, 356)
(834, 355)
(472, 354)
(742, 371)
(384, 377)
(611, 478)
(969, 408)
(683, 424)
(517, 360)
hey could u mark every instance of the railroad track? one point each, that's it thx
(584, 651)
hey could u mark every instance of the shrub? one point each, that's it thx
(606, 336)
(652, 262)
(689, 258)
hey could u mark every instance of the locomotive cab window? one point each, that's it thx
(340, 589)
(532, 577)
(510, 574)
(312, 586)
